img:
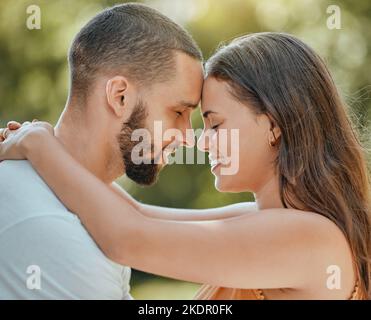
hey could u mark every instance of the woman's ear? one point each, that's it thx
(116, 88)
(275, 130)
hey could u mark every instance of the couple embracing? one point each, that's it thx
(298, 154)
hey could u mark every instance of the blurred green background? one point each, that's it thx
(34, 77)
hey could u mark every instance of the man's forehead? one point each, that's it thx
(189, 69)
(186, 95)
(189, 104)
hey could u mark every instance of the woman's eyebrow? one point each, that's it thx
(206, 113)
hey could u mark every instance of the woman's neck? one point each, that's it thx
(268, 196)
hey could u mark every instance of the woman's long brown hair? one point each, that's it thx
(321, 162)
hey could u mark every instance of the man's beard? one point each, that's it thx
(144, 173)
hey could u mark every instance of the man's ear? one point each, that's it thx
(116, 89)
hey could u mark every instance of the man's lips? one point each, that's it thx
(166, 155)
(169, 150)
(162, 156)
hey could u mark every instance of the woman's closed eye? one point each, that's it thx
(215, 127)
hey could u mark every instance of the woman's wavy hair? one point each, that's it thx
(321, 162)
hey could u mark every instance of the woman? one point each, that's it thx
(298, 154)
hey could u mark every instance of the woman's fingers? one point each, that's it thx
(4, 133)
(1, 135)
(13, 125)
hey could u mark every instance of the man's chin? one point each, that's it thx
(144, 175)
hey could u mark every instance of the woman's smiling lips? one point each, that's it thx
(213, 168)
(214, 164)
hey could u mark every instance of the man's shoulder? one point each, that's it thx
(55, 235)
(24, 192)
(15, 167)
(18, 173)
(35, 228)
(71, 264)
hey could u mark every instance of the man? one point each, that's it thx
(130, 68)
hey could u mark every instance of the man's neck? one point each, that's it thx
(84, 143)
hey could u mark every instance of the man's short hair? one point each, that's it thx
(131, 38)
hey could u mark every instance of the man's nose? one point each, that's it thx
(188, 135)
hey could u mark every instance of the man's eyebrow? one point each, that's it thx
(206, 113)
(188, 104)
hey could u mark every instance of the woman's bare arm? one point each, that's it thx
(158, 212)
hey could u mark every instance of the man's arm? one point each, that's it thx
(164, 213)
